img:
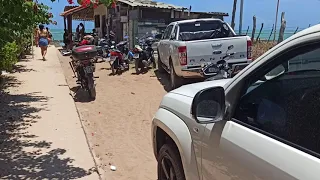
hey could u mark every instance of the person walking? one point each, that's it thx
(82, 31)
(42, 40)
(78, 33)
(49, 35)
(66, 39)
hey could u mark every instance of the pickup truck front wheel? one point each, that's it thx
(169, 164)
(175, 80)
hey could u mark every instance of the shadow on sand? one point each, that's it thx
(164, 79)
(80, 94)
(21, 157)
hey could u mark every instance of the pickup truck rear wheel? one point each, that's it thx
(175, 80)
(169, 164)
(160, 64)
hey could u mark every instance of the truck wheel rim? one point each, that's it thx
(167, 170)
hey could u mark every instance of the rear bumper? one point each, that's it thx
(195, 71)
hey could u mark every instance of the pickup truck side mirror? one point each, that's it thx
(208, 105)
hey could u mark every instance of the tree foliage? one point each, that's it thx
(18, 18)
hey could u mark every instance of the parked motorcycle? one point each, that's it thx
(83, 67)
(118, 61)
(144, 55)
(222, 69)
(103, 48)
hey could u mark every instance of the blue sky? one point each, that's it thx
(298, 12)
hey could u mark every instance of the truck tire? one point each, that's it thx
(175, 80)
(160, 64)
(169, 158)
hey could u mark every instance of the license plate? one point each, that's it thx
(212, 70)
(113, 58)
(136, 56)
(88, 69)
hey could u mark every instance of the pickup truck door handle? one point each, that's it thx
(216, 45)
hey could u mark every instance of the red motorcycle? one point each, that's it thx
(118, 61)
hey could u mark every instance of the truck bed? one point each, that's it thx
(212, 50)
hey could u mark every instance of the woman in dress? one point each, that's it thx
(42, 40)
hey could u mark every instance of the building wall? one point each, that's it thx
(100, 10)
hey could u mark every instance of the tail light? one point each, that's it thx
(85, 62)
(249, 49)
(114, 53)
(182, 54)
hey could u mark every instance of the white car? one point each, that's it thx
(263, 124)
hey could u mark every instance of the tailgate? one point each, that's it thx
(213, 50)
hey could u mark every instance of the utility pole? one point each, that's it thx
(241, 17)
(275, 24)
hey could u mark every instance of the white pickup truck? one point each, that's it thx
(262, 124)
(189, 44)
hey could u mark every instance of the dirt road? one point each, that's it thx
(118, 122)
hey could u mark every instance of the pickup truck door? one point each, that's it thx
(273, 134)
(164, 46)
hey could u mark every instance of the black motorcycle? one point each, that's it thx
(103, 48)
(83, 67)
(222, 69)
(144, 55)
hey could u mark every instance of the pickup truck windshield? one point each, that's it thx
(199, 30)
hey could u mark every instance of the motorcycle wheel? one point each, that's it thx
(112, 68)
(91, 88)
(154, 65)
(136, 64)
(128, 64)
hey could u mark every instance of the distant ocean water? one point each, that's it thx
(58, 34)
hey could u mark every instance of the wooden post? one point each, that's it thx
(275, 24)
(271, 33)
(234, 13)
(254, 28)
(247, 30)
(282, 28)
(64, 22)
(241, 17)
(296, 30)
(259, 32)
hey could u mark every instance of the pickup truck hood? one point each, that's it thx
(192, 89)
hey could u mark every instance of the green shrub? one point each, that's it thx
(8, 56)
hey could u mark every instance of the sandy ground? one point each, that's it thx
(118, 122)
(41, 136)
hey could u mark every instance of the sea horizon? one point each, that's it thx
(265, 33)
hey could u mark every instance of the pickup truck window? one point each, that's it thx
(175, 31)
(285, 102)
(204, 30)
(167, 32)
